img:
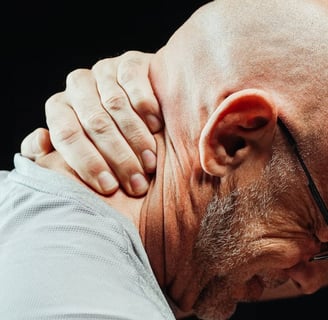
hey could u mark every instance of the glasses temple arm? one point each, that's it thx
(313, 189)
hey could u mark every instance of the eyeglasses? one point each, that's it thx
(313, 189)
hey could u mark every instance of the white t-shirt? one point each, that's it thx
(65, 254)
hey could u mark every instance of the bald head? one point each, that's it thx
(222, 80)
(275, 45)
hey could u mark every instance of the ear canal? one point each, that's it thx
(232, 144)
(243, 125)
(235, 138)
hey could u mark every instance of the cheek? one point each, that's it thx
(276, 251)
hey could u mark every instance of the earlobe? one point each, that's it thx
(242, 126)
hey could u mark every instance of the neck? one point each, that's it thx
(170, 217)
(167, 218)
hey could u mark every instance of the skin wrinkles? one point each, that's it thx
(245, 64)
(226, 240)
(255, 234)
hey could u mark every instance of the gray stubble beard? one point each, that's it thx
(221, 244)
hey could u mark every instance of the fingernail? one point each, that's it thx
(148, 160)
(154, 123)
(139, 183)
(107, 181)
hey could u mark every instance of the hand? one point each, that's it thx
(102, 124)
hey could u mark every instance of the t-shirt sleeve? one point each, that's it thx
(61, 261)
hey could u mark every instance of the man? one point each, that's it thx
(228, 212)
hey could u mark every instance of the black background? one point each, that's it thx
(42, 42)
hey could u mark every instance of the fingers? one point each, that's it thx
(132, 105)
(89, 157)
(102, 123)
(36, 144)
(127, 150)
(72, 143)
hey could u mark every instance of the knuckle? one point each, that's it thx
(141, 102)
(132, 57)
(115, 103)
(54, 99)
(137, 137)
(97, 123)
(64, 134)
(124, 160)
(91, 164)
(129, 71)
(74, 77)
(129, 125)
(130, 67)
(104, 65)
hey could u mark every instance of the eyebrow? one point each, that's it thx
(312, 186)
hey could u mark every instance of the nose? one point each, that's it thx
(307, 276)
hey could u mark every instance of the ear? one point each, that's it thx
(241, 129)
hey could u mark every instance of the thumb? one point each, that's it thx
(36, 144)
